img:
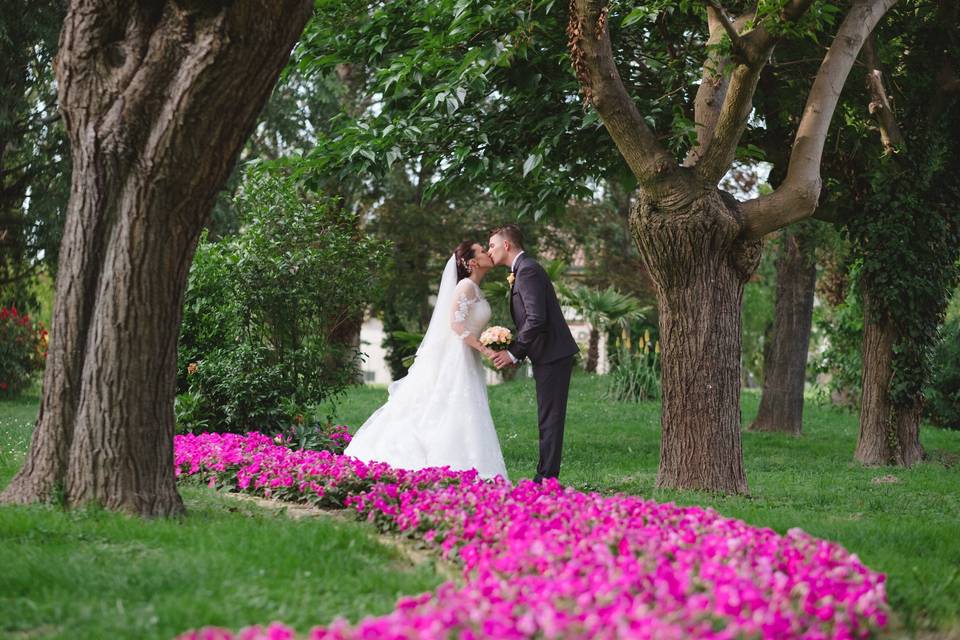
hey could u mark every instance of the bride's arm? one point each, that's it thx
(462, 305)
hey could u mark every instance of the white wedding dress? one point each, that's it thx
(438, 414)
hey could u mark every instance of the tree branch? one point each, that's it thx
(797, 197)
(879, 107)
(28, 127)
(794, 10)
(713, 86)
(718, 14)
(601, 85)
(755, 49)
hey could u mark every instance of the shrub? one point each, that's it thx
(635, 376)
(270, 314)
(314, 436)
(943, 393)
(23, 350)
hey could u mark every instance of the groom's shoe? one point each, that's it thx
(538, 479)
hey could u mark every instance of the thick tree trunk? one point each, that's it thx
(785, 355)
(888, 434)
(699, 266)
(158, 99)
(593, 350)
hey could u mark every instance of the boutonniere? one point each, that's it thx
(511, 279)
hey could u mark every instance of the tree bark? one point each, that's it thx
(699, 245)
(888, 434)
(157, 99)
(785, 355)
(593, 350)
(699, 266)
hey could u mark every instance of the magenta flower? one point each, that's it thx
(544, 560)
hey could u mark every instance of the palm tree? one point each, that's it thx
(603, 308)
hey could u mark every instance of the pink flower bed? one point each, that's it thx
(549, 561)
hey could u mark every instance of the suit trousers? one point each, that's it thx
(553, 387)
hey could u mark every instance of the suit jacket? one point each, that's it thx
(542, 333)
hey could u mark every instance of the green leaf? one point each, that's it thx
(634, 16)
(533, 161)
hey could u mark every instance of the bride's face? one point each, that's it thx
(484, 261)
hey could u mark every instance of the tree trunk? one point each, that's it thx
(157, 99)
(888, 434)
(699, 267)
(785, 355)
(593, 351)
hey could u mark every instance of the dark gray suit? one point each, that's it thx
(544, 337)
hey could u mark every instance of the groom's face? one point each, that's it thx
(497, 250)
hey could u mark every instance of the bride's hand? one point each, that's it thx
(488, 353)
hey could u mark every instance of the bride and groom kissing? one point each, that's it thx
(438, 414)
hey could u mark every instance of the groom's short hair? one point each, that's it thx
(510, 232)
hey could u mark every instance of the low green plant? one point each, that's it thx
(188, 411)
(636, 376)
(314, 436)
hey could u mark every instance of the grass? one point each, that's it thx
(909, 528)
(91, 574)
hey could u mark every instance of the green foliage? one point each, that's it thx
(943, 393)
(908, 238)
(842, 359)
(837, 331)
(635, 377)
(299, 107)
(23, 349)
(482, 93)
(190, 413)
(308, 433)
(759, 298)
(404, 345)
(899, 207)
(34, 163)
(267, 313)
(604, 308)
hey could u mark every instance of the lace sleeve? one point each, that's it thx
(463, 301)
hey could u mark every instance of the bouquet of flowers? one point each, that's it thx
(496, 338)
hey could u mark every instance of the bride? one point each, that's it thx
(438, 414)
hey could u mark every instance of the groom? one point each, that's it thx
(542, 335)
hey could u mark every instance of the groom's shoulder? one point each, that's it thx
(527, 263)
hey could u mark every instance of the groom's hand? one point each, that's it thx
(502, 359)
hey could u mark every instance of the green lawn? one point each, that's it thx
(91, 574)
(909, 529)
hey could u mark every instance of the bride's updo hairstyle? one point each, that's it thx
(464, 254)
